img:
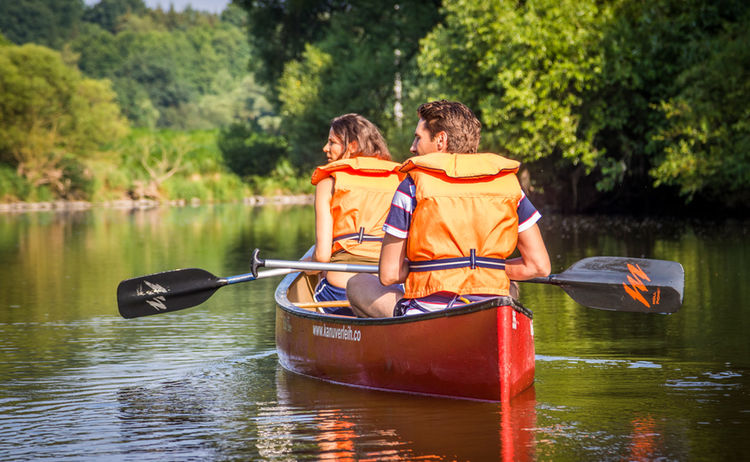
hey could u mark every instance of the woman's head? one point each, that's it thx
(351, 135)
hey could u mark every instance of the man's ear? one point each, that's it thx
(441, 141)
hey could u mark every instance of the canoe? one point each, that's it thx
(481, 351)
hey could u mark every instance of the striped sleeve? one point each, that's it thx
(528, 215)
(399, 216)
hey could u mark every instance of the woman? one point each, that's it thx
(352, 196)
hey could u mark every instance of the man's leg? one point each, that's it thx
(371, 299)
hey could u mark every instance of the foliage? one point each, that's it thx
(180, 70)
(162, 163)
(706, 136)
(45, 22)
(280, 30)
(525, 69)
(283, 179)
(107, 14)
(613, 103)
(247, 150)
(347, 59)
(613, 94)
(51, 118)
(12, 187)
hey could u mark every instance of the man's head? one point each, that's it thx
(446, 126)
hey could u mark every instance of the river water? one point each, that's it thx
(78, 382)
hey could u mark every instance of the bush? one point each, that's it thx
(12, 187)
(248, 151)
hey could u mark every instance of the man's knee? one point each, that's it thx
(356, 287)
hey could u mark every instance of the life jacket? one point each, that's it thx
(465, 223)
(362, 193)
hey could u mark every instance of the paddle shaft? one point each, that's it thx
(257, 262)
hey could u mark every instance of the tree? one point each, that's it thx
(613, 99)
(45, 22)
(525, 68)
(280, 29)
(51, 117)
(249, 151)
(108, 13)
(181, 70)
(678, 78)
(348, 61)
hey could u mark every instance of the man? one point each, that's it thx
(452, 224)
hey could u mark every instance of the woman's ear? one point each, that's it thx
(352, 148)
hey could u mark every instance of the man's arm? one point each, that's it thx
(393, 267)
(534, 260)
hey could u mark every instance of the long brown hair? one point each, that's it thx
(354, 127)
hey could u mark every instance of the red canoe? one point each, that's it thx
(483, 351)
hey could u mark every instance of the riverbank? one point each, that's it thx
(21, 207)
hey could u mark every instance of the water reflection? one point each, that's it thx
(352, 424)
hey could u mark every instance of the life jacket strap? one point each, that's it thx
(472, 261)
(360, 236)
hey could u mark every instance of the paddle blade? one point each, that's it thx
(165, 292)
(624, 284)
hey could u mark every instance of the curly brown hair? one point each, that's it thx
(354, 127)
(456, 120)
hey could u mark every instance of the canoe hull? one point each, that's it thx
(483, 352)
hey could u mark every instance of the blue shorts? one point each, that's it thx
(327, 292)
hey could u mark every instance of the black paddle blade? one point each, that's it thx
(165, 292)
(624, 284)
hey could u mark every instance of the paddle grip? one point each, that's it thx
(256, 262)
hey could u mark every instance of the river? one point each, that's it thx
(78, 382)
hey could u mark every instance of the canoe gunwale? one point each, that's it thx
(283, 302)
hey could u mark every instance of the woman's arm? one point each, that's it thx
(534, 260)
(323, 220)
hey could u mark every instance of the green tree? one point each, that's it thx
(349, 61)
(279, 31)
(707, 135)
(249, 151)
(612, 102)
(108, 13)
(525, 68)
(45, 22)
(181, 70)
(51, 118)
(676, 91)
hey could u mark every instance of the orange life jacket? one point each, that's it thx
(465, 223)
(362, 193)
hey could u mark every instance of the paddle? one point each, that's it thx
(622, 284)
(175, 290)
(179, 289)
(606, 283)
